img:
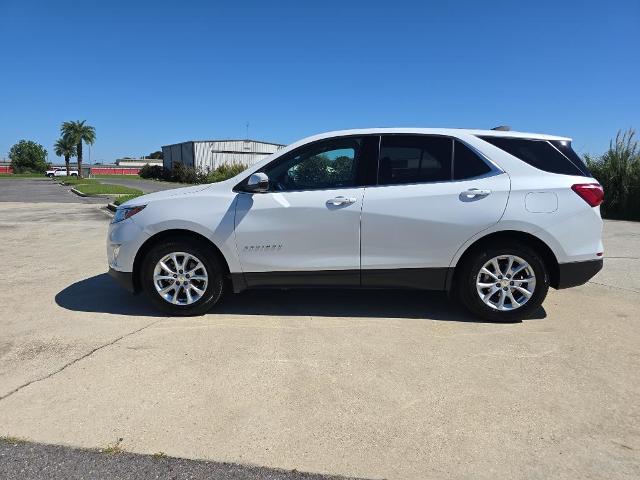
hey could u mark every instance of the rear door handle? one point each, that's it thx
(476, 192)
(341, 201)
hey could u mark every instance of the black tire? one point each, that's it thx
(466, 282)
(216, 273)
(50, 175)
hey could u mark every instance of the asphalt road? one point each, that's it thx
(29, 461)
(40, 191)
(383, 384)
(50, 191)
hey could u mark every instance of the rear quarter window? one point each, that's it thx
(542, 154)
(466, 163)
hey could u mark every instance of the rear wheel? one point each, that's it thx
(503, 283)
(182, 278)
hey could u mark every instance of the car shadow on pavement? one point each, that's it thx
(102, 294)
(411, 304)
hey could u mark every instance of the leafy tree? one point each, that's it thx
(78, 132)
(66, 148)
(28, 156)
(157, 155)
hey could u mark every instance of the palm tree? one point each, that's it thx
(65, 147)
(78, 132)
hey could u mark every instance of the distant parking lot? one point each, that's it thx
(45, 190)
(383, 384)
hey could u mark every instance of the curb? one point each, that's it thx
(78, 192)
(112, 207)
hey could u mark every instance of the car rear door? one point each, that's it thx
(433, 194)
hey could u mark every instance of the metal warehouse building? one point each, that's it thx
(210, 154)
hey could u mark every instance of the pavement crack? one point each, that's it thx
(76, 360)
(613, 286)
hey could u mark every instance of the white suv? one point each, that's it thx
(492, 217)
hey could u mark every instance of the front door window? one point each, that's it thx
(325, 165)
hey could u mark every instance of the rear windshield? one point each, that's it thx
(550, 156)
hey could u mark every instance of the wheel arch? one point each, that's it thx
(165, 236)
(548, 256)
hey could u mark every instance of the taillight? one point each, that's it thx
(592, 193)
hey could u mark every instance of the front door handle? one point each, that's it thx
(475, 192)
(341, 201)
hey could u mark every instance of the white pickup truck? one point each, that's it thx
(61, 172)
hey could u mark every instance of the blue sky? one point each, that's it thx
(146, 74)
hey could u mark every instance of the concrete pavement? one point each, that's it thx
(366, 384)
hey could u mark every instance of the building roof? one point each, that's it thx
(226, 140)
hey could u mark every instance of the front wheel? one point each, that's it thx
(182, 278)
(50, 175)
(505, 283)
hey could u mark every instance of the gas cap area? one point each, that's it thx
(541, 202)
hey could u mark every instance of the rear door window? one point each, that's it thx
(540, 154)
(414, 159)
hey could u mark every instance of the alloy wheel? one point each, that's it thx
(180, 278)
(506, 282)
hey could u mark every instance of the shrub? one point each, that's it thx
(225, 171)
(184, 174)
(151, 171)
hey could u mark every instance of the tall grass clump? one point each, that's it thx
(618, 171)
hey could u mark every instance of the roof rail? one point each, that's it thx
(502, 128)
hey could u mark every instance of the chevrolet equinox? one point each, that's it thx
(493, 217)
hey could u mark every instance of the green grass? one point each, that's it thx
(106, 189)
(77, 181)
(113, 448)
(12, 440)
(125, 198)
(137, 177)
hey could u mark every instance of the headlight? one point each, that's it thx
(122, 213)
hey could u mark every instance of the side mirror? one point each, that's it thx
(258, 183)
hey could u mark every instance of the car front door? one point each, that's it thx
(305, 230)
(433, 194)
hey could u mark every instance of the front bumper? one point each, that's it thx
(124, 278)
(577, 273)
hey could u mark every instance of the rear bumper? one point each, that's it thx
(577, 273)
(124, 278)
